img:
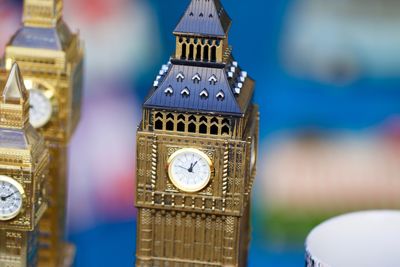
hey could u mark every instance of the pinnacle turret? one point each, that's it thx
(14, 101)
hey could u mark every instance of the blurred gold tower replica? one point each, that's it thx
(23, 173)
(51, 58)
(197, 150)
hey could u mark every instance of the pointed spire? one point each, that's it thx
(42, 13)
(14, 101)
(204, 18)
(14, 91)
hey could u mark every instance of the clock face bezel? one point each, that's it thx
(201, 154)
(18, 186)
(48, 92)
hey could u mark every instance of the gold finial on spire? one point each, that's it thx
(14, 101)
(42, 13)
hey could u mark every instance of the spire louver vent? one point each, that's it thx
(220, 96)
(180, 77)
(204, 94)
(185, 92)
(169, 91)
(196, 78)
(213, 80)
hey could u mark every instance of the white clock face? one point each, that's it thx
(11, 198)
(189, 169)
(40, 108)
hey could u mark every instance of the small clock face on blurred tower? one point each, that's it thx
(11, 198)
(40, 108)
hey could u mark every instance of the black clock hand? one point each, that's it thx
(7, 197)
(182, 167)
(191, 167)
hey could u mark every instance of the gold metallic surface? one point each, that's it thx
(57, 73)
(42, 13)
(23, 158)
(52, 227)
(207, 228)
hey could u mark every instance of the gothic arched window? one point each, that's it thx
(203, 128)
(225, 130)
(158, 124)
(183, 55)
(181, 126)
(170, 116)
(213, 53)
(191, 51)
(226, 121)
(170, 126)
(192, 127)
(198, 52)
(181, 117)
(206, 53)
(203, 119)
(192, 119)
(214, 129)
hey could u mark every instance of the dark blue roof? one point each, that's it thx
(42, 38)
(204, 17)
(204, 95)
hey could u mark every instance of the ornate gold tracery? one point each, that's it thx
(200, 49)
(190, 123)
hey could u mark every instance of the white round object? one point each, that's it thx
(11, 198)
(40, 108)
(361, 239)
(189, 169)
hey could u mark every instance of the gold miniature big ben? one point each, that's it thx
(23, 173)
(197, 150)
(51, 59)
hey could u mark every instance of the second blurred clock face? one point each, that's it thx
(40, 108)
(11, 195)
(189, 169)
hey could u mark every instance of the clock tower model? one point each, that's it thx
(23, 175)
(51, 58)
(197, 150)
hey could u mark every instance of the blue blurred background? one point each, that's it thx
(328, 77)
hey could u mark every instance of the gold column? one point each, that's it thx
(54, 251)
